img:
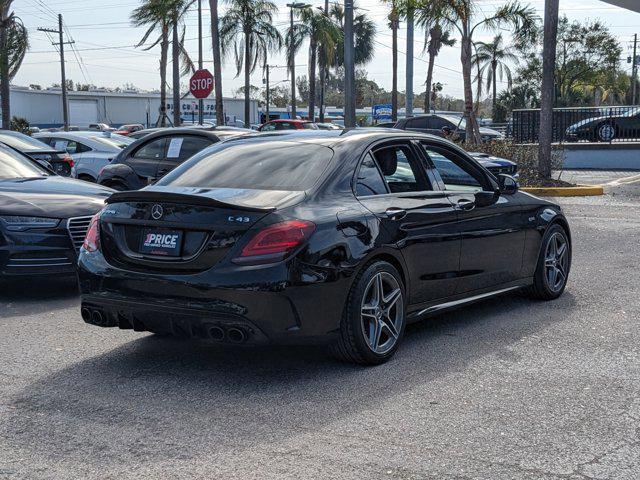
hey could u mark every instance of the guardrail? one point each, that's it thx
(594, 124)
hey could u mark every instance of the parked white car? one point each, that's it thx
(91, 151)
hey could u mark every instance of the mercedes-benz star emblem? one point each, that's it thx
(157, 212)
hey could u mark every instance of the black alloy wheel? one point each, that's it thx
(374, 319)
(554, 263)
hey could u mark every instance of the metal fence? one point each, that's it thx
(596, 124)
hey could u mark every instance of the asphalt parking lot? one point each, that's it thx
(505, 389)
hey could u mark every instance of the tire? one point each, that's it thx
(384, 323)
(606, 132)
(542, 287)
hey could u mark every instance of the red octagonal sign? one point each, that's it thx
(201, 83)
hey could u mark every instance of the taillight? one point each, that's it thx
(92, 239)
(275, 242)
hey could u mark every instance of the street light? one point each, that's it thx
(292, 56)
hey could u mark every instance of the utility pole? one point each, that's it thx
(267, 96)
(634, 70)
(200, 101)
(323, 72)
(60, 44)
(409, 79)
(349, 67)
(292, 57)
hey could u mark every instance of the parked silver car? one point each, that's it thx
(91, 151)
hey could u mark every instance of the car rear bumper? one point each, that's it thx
(268, 304)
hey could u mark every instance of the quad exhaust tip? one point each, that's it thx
(86, 314)
(216, 333)
(96, 317)
(236, 335)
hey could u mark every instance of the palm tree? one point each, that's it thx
(491, 59)
(461, 15)
(247, 29)
(394, 25)
(364, 33)
(435, 38)
(217, 61)
(547, 93)
(161, 15)
(14, 43)
(323, 35)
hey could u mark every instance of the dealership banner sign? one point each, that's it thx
(381, 112)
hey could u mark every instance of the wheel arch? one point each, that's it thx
(392, 257)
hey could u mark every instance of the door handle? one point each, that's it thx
(395, 213)
(466, 205)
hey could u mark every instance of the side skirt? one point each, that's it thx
(416, 314)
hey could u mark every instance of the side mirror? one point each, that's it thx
(508, 184)
(485, 198)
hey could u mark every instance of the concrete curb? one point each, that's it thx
(579, 191)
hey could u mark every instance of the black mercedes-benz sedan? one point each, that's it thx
(43, 217)
(321, 236)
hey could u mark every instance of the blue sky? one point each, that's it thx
(106, 57)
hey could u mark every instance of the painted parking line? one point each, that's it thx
(624, 181)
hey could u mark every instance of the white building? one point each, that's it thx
(43, 108)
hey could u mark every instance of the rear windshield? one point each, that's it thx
(274, 165)
(22, 142)
(119, 141)
(14, 165)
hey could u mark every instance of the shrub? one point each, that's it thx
(21, 125)
(525, 156)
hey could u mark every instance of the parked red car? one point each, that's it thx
(130, 128)
(287, 124)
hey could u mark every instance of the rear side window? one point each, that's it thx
(181, 148)
(274, 165)
(400, 168)
(369, 181)
(154, 150)
(417, 122)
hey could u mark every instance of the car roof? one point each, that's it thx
(203, 132)
(289, 120)
(336, 138)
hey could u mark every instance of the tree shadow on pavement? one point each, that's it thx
(175, 398)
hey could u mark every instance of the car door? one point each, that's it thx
(493, 235)
(394, 185)
(179, 149)
(144, 160)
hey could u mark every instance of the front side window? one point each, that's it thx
(369, 180)
(154, 150)
(455, 174)
(181, 148)
(400, 169)
(268, 127)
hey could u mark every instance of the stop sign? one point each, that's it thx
(201, 83)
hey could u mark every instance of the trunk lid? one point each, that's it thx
(181, 230)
